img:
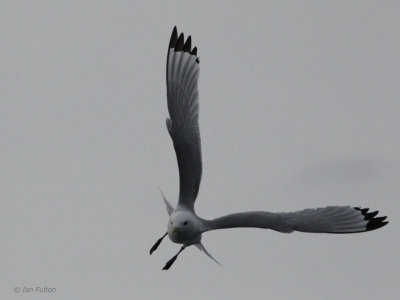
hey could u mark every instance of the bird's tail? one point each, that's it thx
(201, 248)
(170, 208)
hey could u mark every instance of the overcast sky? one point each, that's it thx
(299, 108)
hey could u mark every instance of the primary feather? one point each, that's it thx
(183, 124)
(331, 219)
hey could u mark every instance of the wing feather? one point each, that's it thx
(331, 219)
(183, 107)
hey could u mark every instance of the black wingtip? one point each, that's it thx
(370, 215)
(179, 42)
(188, 45)
(174, 38)
(194, 52)
(373, 222)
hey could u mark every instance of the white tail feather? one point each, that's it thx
(170, 208)
(201, 248)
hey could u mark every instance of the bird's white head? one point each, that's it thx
(183, 228)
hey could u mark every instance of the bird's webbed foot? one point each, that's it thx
(172, 260)
(155, 246)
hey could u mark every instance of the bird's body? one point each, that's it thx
(184, 226)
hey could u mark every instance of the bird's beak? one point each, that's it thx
(175, 229)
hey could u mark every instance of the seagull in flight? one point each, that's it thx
(184, 226)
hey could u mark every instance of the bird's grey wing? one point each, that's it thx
(331, 219)
(183, 106)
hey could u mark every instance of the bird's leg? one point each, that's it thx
(155, 246)
(171, 261)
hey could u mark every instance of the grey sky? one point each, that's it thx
(299, 107)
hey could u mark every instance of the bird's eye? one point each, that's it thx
(185, 223)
